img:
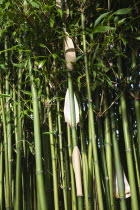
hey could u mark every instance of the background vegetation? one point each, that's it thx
(36, 144)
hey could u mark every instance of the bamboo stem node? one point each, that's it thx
(39, 172)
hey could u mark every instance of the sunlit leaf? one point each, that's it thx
(102, 29)
(52, 20)
(26, 92)
(100, 18)
(41, 63)
(4, 95)
(122, 11)
(34, 4)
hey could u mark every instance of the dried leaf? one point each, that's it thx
(76, 161)
(69, 51)
(67, 113)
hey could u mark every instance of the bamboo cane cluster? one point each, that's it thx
(69, 104)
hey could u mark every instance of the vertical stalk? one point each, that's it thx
(103, 158)
(47, 169)
(136, 102)
(8, 114)
(90, 168)
(67, 171)
(128, 146)
(118, 166)
(136, 145)
(7, 185)
(72, 110)
(73, 189)
(85, 162)
(1, 177)
(62, 159)
(96, 162)
(37, 139)
(53, 154)
(137, 110)
(73, 127)
(108, 150)
(18, 201)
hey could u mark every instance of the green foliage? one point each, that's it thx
(36, 29)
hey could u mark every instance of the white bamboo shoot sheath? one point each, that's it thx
(69, 51)
(76, 160)
(59, 4)
(67, 113)
(66, 8)
(126, 184)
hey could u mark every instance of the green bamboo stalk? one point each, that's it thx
(53, 154)
(8, 203)
(85, 162)
(8, 114)
(108, 149)
(18, 190)
(104, 165)
(118, 165)
(47, 169)
(135, 154)
(136, 162)
(135, 151)
(136, 145)
(127, 139)
(62, 159)
(137, 110)
(67, 171)
(72, 110)
(15, 113)
(90, 167)
(34, 190)
(73, 189)
(136, 104)
(73, 126)
(1, 177)
(26, 170)
(96, 162)
(103, 158)
(37, 139)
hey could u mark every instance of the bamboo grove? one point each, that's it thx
(69, 105)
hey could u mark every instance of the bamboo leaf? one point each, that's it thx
(53, 132)
(138, 38)
(34, 4)
(4, 95)
(122, 11)
(102, 29)
(52, 20)
(79, 57)
(26, 92)
(97, 21)
(41, 63)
